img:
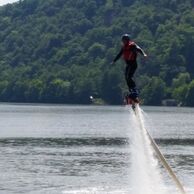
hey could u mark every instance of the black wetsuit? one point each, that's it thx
(131, 62)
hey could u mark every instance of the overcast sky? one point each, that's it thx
(3, 2)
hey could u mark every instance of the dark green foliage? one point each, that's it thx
(190, 95)
(154, 91)
(60, 51)
(111, 86)
(180, 86)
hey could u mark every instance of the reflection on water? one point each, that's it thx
(61, 149)
(58, 142)
(68, 163)
(87, 141)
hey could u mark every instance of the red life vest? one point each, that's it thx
(129, 52)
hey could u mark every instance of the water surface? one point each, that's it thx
(85, 149)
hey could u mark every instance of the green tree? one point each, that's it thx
(57, 91)
(190, 94)
(111, 87)
(180, 87)
(154, 91)
(34, 91)
(60, 51)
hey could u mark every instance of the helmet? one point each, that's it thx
(126, 37)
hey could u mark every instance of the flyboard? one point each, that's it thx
(134, 102)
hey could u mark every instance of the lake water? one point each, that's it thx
(59, 149)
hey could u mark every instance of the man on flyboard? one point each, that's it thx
(129, 52)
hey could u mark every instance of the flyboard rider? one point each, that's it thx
(129, 52)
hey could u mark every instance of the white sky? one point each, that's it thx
(3, 2)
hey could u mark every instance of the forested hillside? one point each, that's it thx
(59, 51)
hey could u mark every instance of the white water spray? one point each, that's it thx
(145, 172)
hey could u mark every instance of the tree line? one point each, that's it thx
(58, 51)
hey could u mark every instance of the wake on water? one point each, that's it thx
(145, 175)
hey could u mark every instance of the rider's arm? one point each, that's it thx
(118, 56)
(140, 50)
